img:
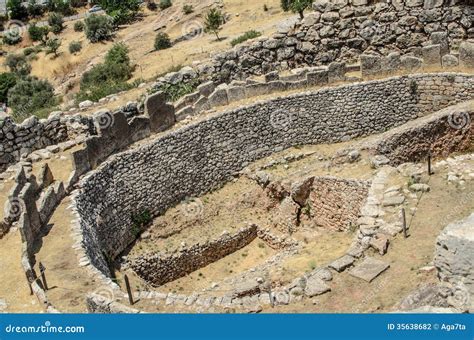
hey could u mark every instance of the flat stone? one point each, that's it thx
(315, 286)
(369, 269)
(380, 243)
(418, 187)
(393, 201)
(342, 263)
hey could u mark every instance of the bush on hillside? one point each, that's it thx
(188, 9)
(98, 28)
(18, 64)
(38, 33)
(56, 22)
(79, 26)
(30, 95)
(75, 46)
(244, 37)
(7, 81)
(35, 9)
(165, 4)
(53, 46)
(12, 37)
(17, 10)
(162, 41)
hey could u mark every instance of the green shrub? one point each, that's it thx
(109, 77)
(244, 37)
(56, 22)
(174, 92)
(213, 22)
(35, 9)
(165, 4)
(188, 9)
(38, 33)
(98, 28)
(53, 46)
(162, 41)
(7, 81)
(30, 95)
(151, 5)
(75, 46)
(17, 10)
(29, 51)
(18, 64)
(79, 26)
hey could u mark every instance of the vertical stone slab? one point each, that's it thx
(160, 113)
(466, 54)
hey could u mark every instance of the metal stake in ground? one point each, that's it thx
(43, 276)
(129, 290)
(404, 222)
(429, 165)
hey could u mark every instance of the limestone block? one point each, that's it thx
(161, 113)
(206, 89)
(449, 60)
(202, 104)
(218, 98)
(184, 112)
(369, 269)
(370, 64)
(432, 55)
(45, 176)
(466, 54)
(336, 71)
(320, 77)
(454, 251)
(236, 93)
(411, 63)
(441, 39)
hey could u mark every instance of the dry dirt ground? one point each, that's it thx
(238, 202)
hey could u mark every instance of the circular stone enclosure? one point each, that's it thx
(200, 157)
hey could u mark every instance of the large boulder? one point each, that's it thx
(454, 254)
(466, 54)
(161, 113)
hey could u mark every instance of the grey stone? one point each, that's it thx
(342, 263)
(466, 54)
(315, 286)
(370, 64)
(432, 55)
(206, 89)
(369, 269)
(160, 113)
(449, 60)
(419, 187)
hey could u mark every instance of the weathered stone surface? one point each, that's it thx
(380, 243)
(206, 89)
(45, 176)
(315, 286)
(342, 263)
(454, 253)
(370, 64)
(466, 54)
(369, 269)
(160, 113)
(449, 60)
(432, 55)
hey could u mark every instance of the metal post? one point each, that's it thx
(43, 276)
(404, 221)
(129, 290)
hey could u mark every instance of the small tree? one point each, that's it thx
(74, 47)
(18, 64)
(296, 6)
(188, 9)
(162, 41)
(98, 28)
(38, 33)
(30, 95)
(17, 10)
(56, 21)
(35, 9)
(7, 81)
(53, 46)
(165, 4)
(213, 22)
(79, 26)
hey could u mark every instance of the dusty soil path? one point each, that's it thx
(14, 292)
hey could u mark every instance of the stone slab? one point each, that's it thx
(342, 263)
(369, 269)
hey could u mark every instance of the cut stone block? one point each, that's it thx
(342, 263)
(369, 269)
(315, 286)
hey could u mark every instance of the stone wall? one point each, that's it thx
(335, 203)
(341, 30)
(33, 134)
(450, 130)
(160, 268)
(201, 157)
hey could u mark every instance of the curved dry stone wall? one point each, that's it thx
(201, 157)
(341, 30)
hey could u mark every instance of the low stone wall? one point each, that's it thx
(201, 157)
(335, 203)
(158, 268)
(33, 134)
(450, 130)
(101, 305)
